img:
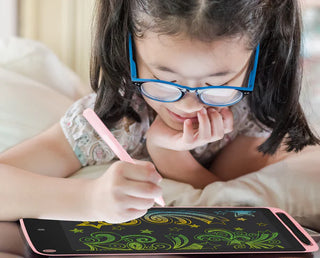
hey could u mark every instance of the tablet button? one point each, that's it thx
(49, 250)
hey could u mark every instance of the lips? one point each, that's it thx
(181, 119)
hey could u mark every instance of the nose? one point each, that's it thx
(189, 103)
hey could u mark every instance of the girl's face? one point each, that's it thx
(191, 63)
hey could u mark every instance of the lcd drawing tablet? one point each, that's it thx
(173, 231)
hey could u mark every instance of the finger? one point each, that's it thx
(133, 213)
(187, 131)
(204, 125)
(140, 171)
(138, 203)
(141, 189)
(217, 129)
(227, 117)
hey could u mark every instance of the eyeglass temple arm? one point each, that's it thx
(133, 67)
(253, 73)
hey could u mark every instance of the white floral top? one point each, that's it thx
(91, 149)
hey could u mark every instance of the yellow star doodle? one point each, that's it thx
(262, 224)
(90, 224)
(75, 230)
(118, 228)
(146, 231)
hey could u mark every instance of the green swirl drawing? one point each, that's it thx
(110, 241)
(182, 218)
(241, 240)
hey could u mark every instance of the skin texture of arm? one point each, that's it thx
(33, 184)
(241, 157)
(32, 171)
(48, 154)
(180, 166)
(238, 158)
(28, 195)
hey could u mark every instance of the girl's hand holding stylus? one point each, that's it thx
(212, 126)
(125, 192)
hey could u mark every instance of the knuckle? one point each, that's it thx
(228, 130)
(152, 189)
(227, 114)
(133, 213)
(218, 136)
(221, 134)
(148, 175)
(215, 114)
(148, 203)
(117, 197)
(117, 167)
(207, 138)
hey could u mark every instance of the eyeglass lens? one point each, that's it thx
(169, 93)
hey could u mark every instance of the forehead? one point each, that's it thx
(180, 52)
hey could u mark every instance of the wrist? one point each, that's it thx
(66, 199)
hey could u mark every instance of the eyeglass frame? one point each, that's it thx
(139, 81)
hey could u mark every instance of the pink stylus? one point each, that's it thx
(112, 142)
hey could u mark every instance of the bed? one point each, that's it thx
(36, 89)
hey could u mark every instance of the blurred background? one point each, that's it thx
(64, 26)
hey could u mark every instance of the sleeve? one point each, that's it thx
(85, 142)
(88, 148)
(246, 124)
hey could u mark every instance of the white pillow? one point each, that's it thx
(37, 62)
(26, 108)
(35, 89)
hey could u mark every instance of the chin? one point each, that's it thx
(173, 125)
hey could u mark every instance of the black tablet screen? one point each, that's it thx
(185, 230)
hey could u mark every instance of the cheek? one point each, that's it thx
(161, 108)
(156, 105)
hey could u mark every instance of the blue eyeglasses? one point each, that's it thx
(164, 91)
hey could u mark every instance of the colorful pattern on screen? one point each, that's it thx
(167, 230)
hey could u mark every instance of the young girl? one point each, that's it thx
(208, 90)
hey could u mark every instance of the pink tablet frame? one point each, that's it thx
(313, 247)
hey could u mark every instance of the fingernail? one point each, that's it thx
(203, 111)
(188, 121)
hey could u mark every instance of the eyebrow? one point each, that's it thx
(216, 74)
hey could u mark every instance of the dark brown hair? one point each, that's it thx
(275, 24)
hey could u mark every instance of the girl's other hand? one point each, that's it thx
(125, 191)
(213, 125)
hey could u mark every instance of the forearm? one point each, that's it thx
(27, 195)
(180, 166)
